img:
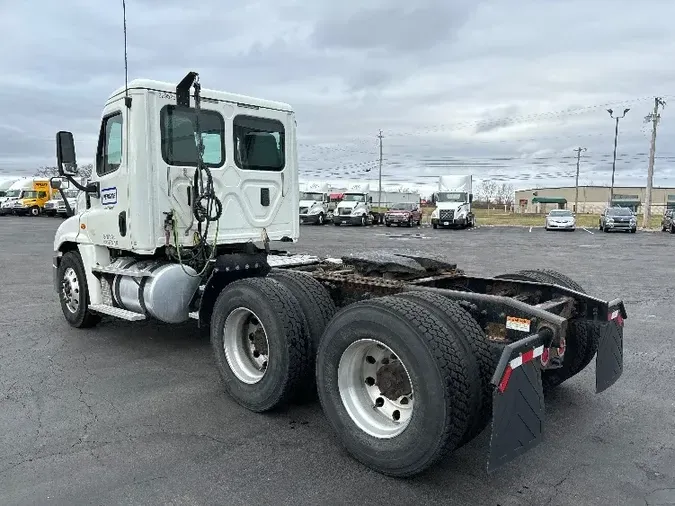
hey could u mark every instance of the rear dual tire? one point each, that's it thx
(264, 333)
(582, 338)
(397, 383)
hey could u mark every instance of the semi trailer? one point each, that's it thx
(410, 357)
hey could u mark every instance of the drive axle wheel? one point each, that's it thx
(375, 388)
(582, 336)
(259, 338)
(393, 384)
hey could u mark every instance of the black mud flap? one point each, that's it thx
(518, 402)
(609, 358)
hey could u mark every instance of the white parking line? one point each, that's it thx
(584, 228)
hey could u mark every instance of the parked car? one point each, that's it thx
(618, 218)
(407, 213)
(561, 219)
(667, 221)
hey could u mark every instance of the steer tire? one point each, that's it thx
(82, 317)
(436, 364)
(582, 335)
(288, 366)
(481, 361)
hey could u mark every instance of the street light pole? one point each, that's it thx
(616, 139)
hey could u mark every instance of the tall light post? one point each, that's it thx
(616, 138)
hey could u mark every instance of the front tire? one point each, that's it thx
(393, 384)
(74, 292)
(321, 219)
(258, 336)
(34, 211)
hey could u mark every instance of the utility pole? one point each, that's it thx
(616, 138)
(576, 193)
(379, 197)
(654, 117)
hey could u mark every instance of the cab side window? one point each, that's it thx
(42, 195)
(109, 154)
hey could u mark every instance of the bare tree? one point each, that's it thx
(82, 171)
(488, 191)
(505, 194)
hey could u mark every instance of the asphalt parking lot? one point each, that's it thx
(131, 413)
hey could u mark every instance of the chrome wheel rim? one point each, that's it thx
(71, 290)
(246, 346)
(375, 389)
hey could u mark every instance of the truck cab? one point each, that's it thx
(15, 192)
(453, 203)
(33, 200)
(354, 209)
(5, 186)
(56, 206)
(314, 205)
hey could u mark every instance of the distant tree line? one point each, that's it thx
(83, 171)
(490, 194)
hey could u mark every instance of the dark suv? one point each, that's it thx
(667, 221)
(618, 218)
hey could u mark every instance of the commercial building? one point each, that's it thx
(592, 199)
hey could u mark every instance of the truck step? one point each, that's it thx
(134, 273)
(117, 312)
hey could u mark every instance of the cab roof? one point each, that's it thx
(221, 96)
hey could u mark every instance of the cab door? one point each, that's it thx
(107, 214)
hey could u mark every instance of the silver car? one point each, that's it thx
(561, 219)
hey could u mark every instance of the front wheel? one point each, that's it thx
(321, 219)
(34, 211)
(74, 292)
(363, 220)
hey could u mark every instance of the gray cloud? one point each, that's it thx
(503, 89)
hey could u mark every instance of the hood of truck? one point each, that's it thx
(27, 202)
(309, 203)
(445, 206)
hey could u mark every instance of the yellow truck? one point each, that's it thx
(34, 196)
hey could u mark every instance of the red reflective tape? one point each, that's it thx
(505, 379)
(527, 356)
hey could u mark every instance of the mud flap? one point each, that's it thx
(609, 358)
(518, 402)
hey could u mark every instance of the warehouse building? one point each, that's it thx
(592, 199)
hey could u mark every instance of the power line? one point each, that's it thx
(654, 118)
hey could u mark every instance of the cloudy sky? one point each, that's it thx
(502, 89)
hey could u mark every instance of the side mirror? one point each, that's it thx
(55, 183)
(470, 198)
(65, 153)
(370, 200)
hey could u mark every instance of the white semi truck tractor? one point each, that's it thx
(453, 203)
(315, 204)
(411, 357)
(356, 207)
